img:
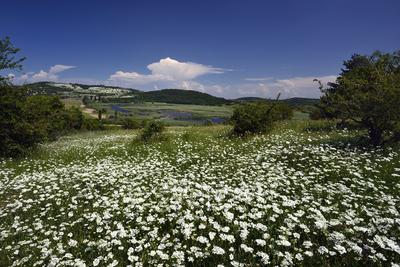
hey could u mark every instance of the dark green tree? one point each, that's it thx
(17, 133)
(367, 92)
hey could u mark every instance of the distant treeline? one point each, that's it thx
(179, 96)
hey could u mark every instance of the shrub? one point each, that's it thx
(152, 130)
(258, 117)
(17, 134)
(28, 120)
(47, 114)
(75, 118)
(282, 111)
(92, 124)
(131, 123)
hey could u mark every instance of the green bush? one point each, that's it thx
(131, 123)
(258, 117)
(92, 124)
(153, 129)
(28, 120)
(47, 114)
(282, 111)
(75, 118)
(17, 133)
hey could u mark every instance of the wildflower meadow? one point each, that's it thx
(200, 198)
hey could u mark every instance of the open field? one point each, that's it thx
(294, 197)
(170, 114)
(77, 103)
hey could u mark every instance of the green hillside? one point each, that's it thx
(179, 96)
(115, 94)
(76, 89)
(249, 99)
(300, 101)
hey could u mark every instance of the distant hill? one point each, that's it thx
(180, 96)
(76, 89)
(301, 101)
(126, 95)
(250, 99)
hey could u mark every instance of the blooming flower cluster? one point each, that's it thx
(286, 199)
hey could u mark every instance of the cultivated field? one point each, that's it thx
(198, 198)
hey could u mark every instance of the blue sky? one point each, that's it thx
(227, 48)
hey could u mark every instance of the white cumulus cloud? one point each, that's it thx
(165, 70)
(60, 68)
(181, 70)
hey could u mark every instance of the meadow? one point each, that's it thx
(306, 194)
(175, 114)
(170, 114)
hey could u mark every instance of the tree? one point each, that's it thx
(8, 59)
(367, 92)
(17, 132)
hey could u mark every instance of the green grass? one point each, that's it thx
(72, 102)
(154, 110)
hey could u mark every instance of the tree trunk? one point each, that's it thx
(376, 136)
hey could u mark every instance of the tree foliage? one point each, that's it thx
(258, 117)
(367, 92)
(28, 120)
(8, 58)
(152, 130)
(130, 123)
(17, 133)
